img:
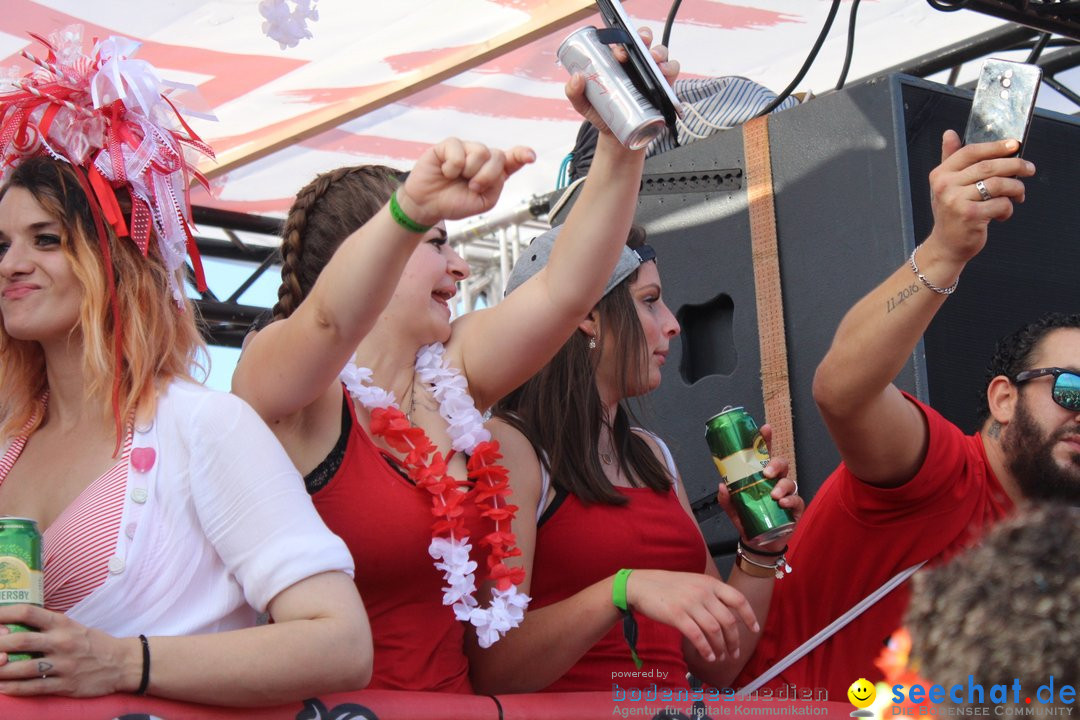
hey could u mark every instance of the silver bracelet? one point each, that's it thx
(931, 286)
(780, 566)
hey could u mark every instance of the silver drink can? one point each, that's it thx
(630, 116)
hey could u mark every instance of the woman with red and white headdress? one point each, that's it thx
(170, 513)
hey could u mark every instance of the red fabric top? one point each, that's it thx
(856, 536)
(582, 544)
(386, 523)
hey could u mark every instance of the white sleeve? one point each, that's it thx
(666, 452)
(252, 503)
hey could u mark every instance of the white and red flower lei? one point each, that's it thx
(428, 469)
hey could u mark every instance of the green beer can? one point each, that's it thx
(740, 455)
(20, 568)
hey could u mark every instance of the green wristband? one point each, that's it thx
(618, 589)
(404, 220)
(630, 628)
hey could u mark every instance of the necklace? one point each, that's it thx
(412, 396)
(428, 469)
(606, 457)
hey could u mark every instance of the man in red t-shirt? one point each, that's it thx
(912, 487)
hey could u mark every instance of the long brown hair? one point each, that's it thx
(560, 411)
(160, 341)
(326, 211)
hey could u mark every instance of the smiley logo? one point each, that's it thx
(861, 693)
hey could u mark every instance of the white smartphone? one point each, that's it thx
(1004, 102)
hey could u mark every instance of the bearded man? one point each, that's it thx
(912, 487)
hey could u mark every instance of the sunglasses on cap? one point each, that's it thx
(1066, 389)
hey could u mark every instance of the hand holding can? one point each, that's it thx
(741, 454)
(21, 578)
(608, 88)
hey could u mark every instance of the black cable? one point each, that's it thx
(1066, 7)
(1056, 42)
(1037, 50)
(850, 45)
(806, 65)
(1061, 88)
(948, 5)
(666, 37)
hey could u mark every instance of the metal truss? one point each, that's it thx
(1059, 17)
(491, 245)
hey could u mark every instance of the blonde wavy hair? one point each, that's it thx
(160, 342)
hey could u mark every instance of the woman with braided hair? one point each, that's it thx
(327, 209)
(383, 443)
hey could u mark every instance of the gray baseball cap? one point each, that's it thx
(536, 256)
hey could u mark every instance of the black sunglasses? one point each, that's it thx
(1066, 389)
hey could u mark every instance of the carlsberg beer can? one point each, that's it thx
(20, 568)
(740, 455)
(631, 117)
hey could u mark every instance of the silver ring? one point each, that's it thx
(796, 487)
(981, 187)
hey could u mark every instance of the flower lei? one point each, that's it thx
(428, 469)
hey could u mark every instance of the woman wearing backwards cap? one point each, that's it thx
(170, 514)
(377, 396)
(605, 521)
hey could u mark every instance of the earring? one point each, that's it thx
(592, 342)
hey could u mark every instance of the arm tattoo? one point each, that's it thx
(894, 302)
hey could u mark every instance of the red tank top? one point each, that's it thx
(386, 523)
(651, 531)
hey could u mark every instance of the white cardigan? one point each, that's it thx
(214, 530)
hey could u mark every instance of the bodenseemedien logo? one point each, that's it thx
(1052, 698)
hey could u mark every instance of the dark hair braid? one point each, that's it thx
(326, 211)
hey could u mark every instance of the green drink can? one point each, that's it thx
(20, 568)
(741, 455)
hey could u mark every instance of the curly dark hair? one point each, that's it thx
(1013, 352)
(1006, 609)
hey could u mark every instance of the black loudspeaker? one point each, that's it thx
(850, 175)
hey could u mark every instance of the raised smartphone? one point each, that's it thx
(1004, 102)
(643, 70)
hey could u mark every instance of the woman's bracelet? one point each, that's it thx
(764, 553)
(630, 628)
(144, 683)
(404, 220)
(753, 568)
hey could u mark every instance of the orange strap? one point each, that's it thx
(775, 382)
